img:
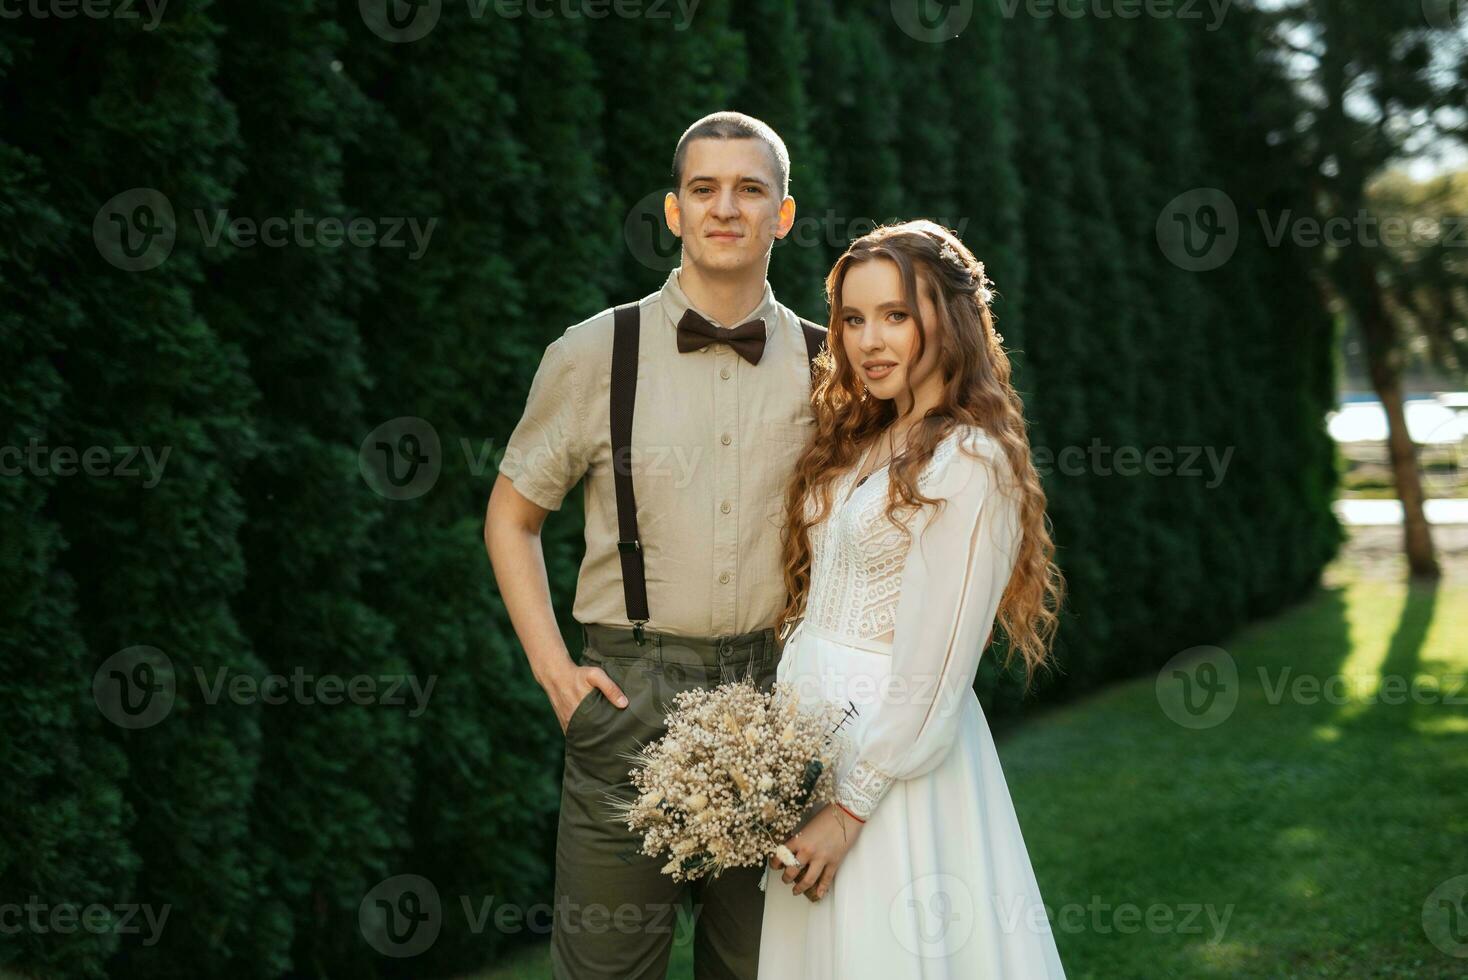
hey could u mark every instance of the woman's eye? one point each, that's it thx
(898, 316)
(853, 321)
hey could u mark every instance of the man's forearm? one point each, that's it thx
(519, 568)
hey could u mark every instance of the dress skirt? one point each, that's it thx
(939, 884)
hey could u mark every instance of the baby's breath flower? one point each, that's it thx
(729, 781)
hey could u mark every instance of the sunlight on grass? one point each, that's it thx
(1219, 959)
(1305, 839)
(1444, 725)
(1302, 887)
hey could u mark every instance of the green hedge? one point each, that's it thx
(263, 550)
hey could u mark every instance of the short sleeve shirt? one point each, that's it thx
(714, 445)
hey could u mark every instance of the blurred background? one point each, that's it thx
(275, 276)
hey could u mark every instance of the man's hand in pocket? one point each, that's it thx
(570, 687)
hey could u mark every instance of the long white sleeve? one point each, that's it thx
(958, 564)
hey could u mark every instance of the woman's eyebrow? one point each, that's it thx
(890, 305)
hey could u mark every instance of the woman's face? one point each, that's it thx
(879, 335)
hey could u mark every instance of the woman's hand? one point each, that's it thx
(820, 846)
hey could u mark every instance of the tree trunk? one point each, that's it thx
(1384, 364)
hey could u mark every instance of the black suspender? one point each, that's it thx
(626, 325)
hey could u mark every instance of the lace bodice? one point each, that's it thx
(935, 593)
(857, 553)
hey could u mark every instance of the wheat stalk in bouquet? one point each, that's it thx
(731, 779)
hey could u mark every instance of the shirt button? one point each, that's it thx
(724, 578)
(725, 439)
(725, 507)
(724, 373)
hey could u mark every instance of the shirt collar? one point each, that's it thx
(675, 303)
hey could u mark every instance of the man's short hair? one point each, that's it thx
(734, 126)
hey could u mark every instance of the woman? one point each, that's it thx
(918, 869)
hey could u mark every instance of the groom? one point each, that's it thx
(704, 387)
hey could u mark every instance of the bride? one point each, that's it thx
(918, 869)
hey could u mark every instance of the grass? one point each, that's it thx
(1299, 837)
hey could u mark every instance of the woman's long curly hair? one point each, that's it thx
(976, 391)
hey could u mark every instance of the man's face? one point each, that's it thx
(729, 210)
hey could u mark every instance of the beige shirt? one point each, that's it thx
(714, 445)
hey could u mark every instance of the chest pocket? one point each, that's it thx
(779, 446)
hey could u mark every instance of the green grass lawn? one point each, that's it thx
(1299, 836)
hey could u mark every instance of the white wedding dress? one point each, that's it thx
(939, 884)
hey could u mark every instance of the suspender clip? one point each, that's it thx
(637, 633)
(629, 547)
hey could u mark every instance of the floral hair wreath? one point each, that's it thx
(975, 274)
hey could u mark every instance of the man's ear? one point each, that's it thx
(672, 214)
(787, 217)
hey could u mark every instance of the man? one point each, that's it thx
(720, 413)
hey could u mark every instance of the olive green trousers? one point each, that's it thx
(616, 913)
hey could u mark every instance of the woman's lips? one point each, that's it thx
(879, 371)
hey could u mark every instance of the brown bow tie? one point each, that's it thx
(747, 339)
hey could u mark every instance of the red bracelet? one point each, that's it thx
(848, 812)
